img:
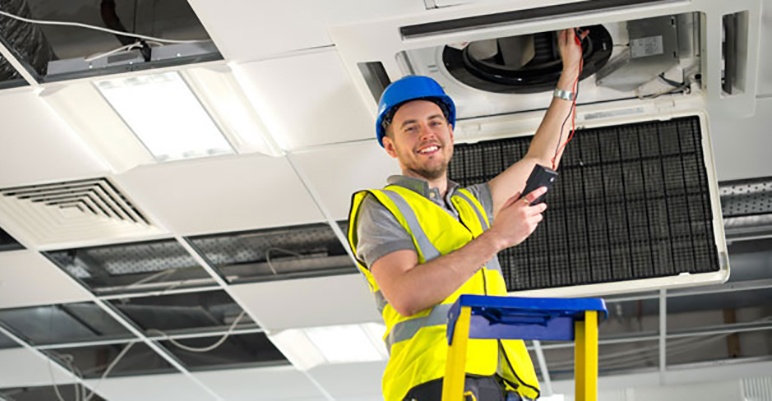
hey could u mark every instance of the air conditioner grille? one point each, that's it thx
(631, 202)
(94, 196)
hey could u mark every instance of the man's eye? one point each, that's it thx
(411, 128)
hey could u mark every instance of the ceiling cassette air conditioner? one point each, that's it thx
(641, 182)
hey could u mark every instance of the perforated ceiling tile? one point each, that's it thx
(132, 267)
(746, 197)
(279, 253)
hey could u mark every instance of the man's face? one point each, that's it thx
(421, 139)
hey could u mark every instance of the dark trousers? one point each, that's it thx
(484, 388)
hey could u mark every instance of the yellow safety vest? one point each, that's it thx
(417, 344)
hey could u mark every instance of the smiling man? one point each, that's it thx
(422, 240)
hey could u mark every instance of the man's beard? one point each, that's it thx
(431, 173)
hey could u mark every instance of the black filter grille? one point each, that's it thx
(631, 202)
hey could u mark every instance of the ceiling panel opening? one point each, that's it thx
(6, 342)
(8, 243)
(173, 35)
(132, 267)
(37, 393)
(275, 254)
(186, 313)
(126, 359)
(65, 323)
(235, 351)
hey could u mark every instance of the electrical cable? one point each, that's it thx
(126, 48)
(572, 109)
(209, 347)
(268, 257)
(110, 367)
(98, 28)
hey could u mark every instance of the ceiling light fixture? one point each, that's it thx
(314, 346)
(166, 116)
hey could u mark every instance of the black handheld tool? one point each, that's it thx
(540, 177)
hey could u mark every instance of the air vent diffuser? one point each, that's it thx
(631, 202)
(74, 210)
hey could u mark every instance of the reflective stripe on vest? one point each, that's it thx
(406, 330)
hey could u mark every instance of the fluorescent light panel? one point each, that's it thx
(165, 115)
(310, 347)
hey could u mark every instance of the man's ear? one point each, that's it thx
(388, 145)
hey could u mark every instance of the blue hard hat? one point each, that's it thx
(411, 87)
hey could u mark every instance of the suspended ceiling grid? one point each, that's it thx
(319, 117)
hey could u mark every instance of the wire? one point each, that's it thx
(207, 348)
(110, 367)
(98, 28)
(128, 47)
(572, 109)
(268, 257)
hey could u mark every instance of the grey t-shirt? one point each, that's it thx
(380, 233)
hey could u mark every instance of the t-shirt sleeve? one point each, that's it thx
(378, 232)
(483, 194)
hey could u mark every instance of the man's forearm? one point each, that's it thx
(427, 284)
(549, 136)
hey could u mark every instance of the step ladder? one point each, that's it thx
(550, 319)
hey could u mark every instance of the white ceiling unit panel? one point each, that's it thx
(246, 30)
(427, 44)
(305, 106)
(260, 384)
(29, 279)
(676, 65)
(222, 194)
(325, 301)
(320, 164)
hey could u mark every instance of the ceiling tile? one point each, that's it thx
(32, 133)
(323, 301)
(274, 383)
(28, 279)
(371, 166)
(221, 194)
(248, 29)
(304, 106)
(168, 387)
(362, 380)
(29, 369)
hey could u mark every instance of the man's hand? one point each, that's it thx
(570, 52)
(518, 219)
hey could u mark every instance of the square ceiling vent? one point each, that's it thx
(73, 211)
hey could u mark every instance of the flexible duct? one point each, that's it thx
(27, 40)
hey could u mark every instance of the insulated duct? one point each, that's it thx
(24, 39)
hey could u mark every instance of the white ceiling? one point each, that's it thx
(292, 73)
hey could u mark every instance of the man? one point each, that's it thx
(422, 241)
